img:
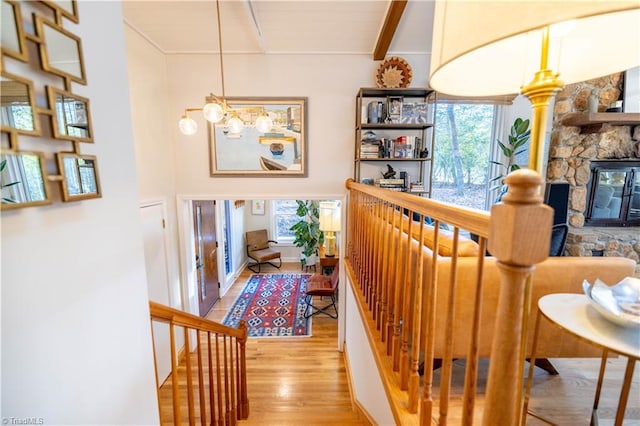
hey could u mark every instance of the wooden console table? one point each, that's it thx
(328, 262)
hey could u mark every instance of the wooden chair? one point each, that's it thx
(260, 251)
(322, 285)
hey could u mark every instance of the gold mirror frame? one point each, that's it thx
(13, 186)
(47, 48)
(80, 178)
(10, 91)
(12, 27)
(71, 120)
(68, 9)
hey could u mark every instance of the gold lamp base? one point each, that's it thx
(330, 244)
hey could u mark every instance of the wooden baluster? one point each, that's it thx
(377, 229)
(384, 271)
(174, 377)
(367, 256)
(155, 370)
(212, 394)
(429, 300)
(232, 383)
(219, 382)
(227, 410)
(407, 300)
(519, 236)
(404, 262)
(203, 405)
(414, 377)
(447, 359)
(471, 372)
(243, 411)
(187, 356)
(393, 274)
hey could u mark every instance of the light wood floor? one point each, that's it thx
(294, 381)
(302, 381)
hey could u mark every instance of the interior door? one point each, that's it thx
(206, 249)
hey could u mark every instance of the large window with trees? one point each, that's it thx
(465, 135)
(283, 218)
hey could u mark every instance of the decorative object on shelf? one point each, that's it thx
(390, 173)
(619, 303)
(217, 107)
(469, 61)
(376, 112)
(414, 113)
(394, 107)
(329, 224)
(279, 151)
(593, 102)
(394, 73)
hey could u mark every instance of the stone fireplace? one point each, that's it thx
(576, 141)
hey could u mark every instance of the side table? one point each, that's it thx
(573, 313)
(328, 262)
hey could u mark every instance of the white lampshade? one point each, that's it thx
(329, 216)
(264, 123)
(483, 48)
(235, 125)
(187, 125)
(213, 112)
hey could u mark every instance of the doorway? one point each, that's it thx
(206, 254)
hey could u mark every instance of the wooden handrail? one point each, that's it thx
(220, 394)
(183, 319)
(406, 278)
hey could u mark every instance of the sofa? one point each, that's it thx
(554, 275)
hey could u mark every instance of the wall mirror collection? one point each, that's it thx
(23, 173)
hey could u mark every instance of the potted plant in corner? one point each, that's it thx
(518, 136)
(307, 231)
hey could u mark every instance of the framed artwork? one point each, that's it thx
(280, 151)
(257, 207)
(394, 109)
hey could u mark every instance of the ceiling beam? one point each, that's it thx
(394, 13)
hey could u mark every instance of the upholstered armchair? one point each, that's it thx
(260, 251)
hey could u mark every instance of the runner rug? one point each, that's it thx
(272, 305)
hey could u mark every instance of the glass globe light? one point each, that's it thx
(264, 123)
(213, 112)
(235, 125)
(187, 125)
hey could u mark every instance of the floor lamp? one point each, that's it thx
(533, 47)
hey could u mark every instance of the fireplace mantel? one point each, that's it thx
(592, 122)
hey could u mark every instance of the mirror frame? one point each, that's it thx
(45, 182)
(60, 156)
(72, 15)
(52, 93)
(44, 53)
(23, 53)
(32, 101)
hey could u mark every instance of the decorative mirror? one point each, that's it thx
(79, 176)
(68, 8)
(13, 41)
(72, 119)
(22, 180)
(60, 51)
(17, 101)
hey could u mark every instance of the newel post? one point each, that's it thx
(519, 237)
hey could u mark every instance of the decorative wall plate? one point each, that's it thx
(394, 73)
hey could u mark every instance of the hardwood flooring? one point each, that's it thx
(294, 381)
(302, 381)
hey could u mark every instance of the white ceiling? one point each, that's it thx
(279, 27)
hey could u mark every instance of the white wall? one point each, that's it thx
(76, 343)
(368, 387)
(153, 140)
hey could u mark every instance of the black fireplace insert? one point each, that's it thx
(613, 193)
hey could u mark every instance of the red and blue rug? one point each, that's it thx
(272, 305)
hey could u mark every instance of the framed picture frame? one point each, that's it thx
(394, 109)
(415, 113)
(281, 151)
(257, 207)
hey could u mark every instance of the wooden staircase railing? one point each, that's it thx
(394, 277)
(220, 395)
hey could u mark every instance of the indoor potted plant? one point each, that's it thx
(307, 231)
(518, 136)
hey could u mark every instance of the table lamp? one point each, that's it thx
(485, 48)
(329, 223)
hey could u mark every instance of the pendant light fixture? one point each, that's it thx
(217, 108)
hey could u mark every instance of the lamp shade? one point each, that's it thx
(483, 48)
(329, 216)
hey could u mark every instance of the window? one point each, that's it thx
(283, 218)
(465, 135)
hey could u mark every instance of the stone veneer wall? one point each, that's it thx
(570, 155)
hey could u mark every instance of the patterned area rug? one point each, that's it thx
(272, 305)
